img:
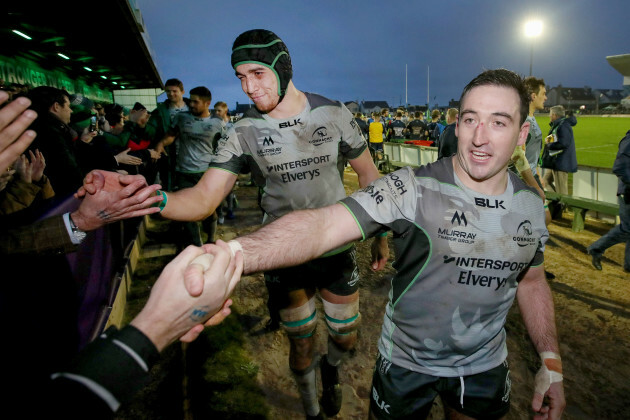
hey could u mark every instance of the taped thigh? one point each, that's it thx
(342, 318)
(300, 322)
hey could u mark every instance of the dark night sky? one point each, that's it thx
(358, 50)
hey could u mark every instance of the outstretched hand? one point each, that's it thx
(14, 119)
(109, 197)
(172, 313)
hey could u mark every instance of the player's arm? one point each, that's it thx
(167, 140)
(367, 173)
(536, 305)
(365, 168)
(291, 240)
(200, 201)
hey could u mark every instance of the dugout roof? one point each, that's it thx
(108, 37)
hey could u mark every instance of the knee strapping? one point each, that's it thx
(300, 322)
(342, 318)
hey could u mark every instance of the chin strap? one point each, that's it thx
(549, 372)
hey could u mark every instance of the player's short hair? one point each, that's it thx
(399, 114)
(203, 93)
(435, 113)
(502, 78)
(175, 82)
(452, 113)
(533, 85)
(221, 105)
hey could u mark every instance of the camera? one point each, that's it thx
(92, 124)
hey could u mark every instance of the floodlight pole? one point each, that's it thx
(531, 58)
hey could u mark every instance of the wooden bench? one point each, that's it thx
(580, 206)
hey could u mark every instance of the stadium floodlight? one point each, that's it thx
(533, 29)
(22, 34)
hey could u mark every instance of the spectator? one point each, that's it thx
(621, 232)
(435, 127)
(447, 142)
(560, 141)
(417, 127)
(396, 129)
(55, 139)
(362, 124)
(29, 187)
(376, 135)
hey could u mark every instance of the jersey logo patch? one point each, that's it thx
(459, 219)
(320, 136)
(523, 235)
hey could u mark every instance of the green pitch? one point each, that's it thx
(596, 138)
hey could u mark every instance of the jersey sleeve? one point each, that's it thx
(385, 201)
(229, 154)
(352, 140)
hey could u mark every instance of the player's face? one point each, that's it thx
(197, 105)
(174, 94)
(538, 99)
(488, 130)
(260, 84)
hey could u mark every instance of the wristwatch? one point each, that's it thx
(78, 234)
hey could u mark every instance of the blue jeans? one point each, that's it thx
(619, 233)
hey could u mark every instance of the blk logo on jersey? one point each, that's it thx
(287, 124)
(490, 204)
(524, 233)
(320, 136)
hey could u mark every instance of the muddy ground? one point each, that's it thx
(592, 315)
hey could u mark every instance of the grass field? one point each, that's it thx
(596, 138)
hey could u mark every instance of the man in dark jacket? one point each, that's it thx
(447, 143)
(560, 140)
(55, 139)
(621, 232)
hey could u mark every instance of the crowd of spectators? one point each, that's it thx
(73, 137)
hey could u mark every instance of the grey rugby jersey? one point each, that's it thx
(297, 161)
(458, 256)
(194, 141)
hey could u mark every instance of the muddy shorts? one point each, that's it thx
(338, 273)
(398, 393)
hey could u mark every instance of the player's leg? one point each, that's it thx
(342, 320)
(299, 320)
(340, 298)
(485, 395)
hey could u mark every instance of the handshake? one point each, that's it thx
(192, 292)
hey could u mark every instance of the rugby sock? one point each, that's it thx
(335, 353)
(308, 389)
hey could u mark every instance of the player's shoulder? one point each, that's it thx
(316, 101)
(520, 185)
